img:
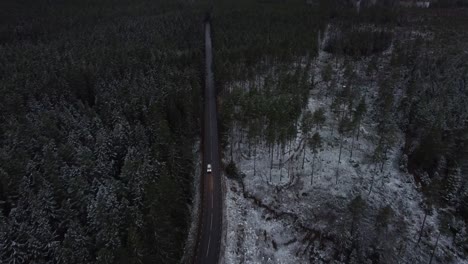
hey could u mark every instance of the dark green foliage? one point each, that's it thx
(374, 12)
(318, 117)
(99, 110)
(433, 110)
(357, 208)
(251, 36)
(450, 3)
(275, 107)
(361, 109)
(327, 72)
(358, 42)
(315, 142)
(231, 170)
(384, 218)
(306, 123)
(345, 125)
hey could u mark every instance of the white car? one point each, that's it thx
(208, 168)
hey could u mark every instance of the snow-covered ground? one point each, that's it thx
(292, 218)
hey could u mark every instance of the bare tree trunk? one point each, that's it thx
(290, 143)
(383, 159)
(337, 173)
(435, 247)
(303, 157)
(372, 184)
(281, 163)
(239, 151)
(352, 146)
(341, 148)
(271, 163)
(358, 130)
(422, 227)
(278, 151)
(255, 157)
(332, 130)
(250, 147)
(313, 167)
(232, 143)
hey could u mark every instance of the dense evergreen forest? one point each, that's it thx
(100, 106)
(99, 111)
(434, 113)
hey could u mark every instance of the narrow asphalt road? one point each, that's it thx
(209, 236)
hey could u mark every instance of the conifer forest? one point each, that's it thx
(343, 127)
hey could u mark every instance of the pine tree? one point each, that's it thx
(454, 181)
(343, 129)
(357, 207)
(104, 220)
(315, 144)
(318, 118)
(327, 73)
(306, 125)
(75, 244)
(355, 124)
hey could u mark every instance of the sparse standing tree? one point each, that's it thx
(426, 212)
(357, 208)
(314, 143)
(318, 118)
(343, 129)
(357, 118)
(306, 126)
(435, 247)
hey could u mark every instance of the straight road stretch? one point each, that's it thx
(209, 236)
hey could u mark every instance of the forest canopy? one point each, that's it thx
(99, 113)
